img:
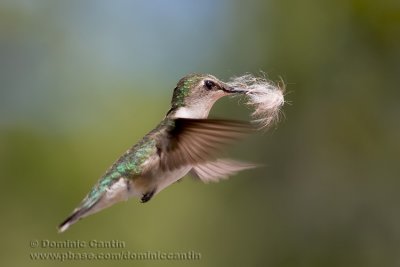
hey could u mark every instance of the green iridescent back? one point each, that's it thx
(128, 165)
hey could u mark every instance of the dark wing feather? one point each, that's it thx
(193, 141)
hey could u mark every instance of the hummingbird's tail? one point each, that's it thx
(88, 206)
(73, 218)
(102, 195)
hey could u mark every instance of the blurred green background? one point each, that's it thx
(81, 81)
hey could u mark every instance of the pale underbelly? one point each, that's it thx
(168, 178)
(124, 189)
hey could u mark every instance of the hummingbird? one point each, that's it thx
(185, 141)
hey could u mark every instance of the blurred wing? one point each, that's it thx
(194, 141)
(213, 171)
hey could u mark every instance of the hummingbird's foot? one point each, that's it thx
(147, 196)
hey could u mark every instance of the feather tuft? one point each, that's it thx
(263, 96)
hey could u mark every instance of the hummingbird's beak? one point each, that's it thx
(232, 90)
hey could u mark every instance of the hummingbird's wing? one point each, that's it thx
(213, 171)
(195, 141)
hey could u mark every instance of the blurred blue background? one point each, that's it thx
(81, 81)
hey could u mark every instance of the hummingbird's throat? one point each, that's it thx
(190, 112)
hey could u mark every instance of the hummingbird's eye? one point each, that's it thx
(209, 84)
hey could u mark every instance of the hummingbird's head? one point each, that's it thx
(195, 94)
